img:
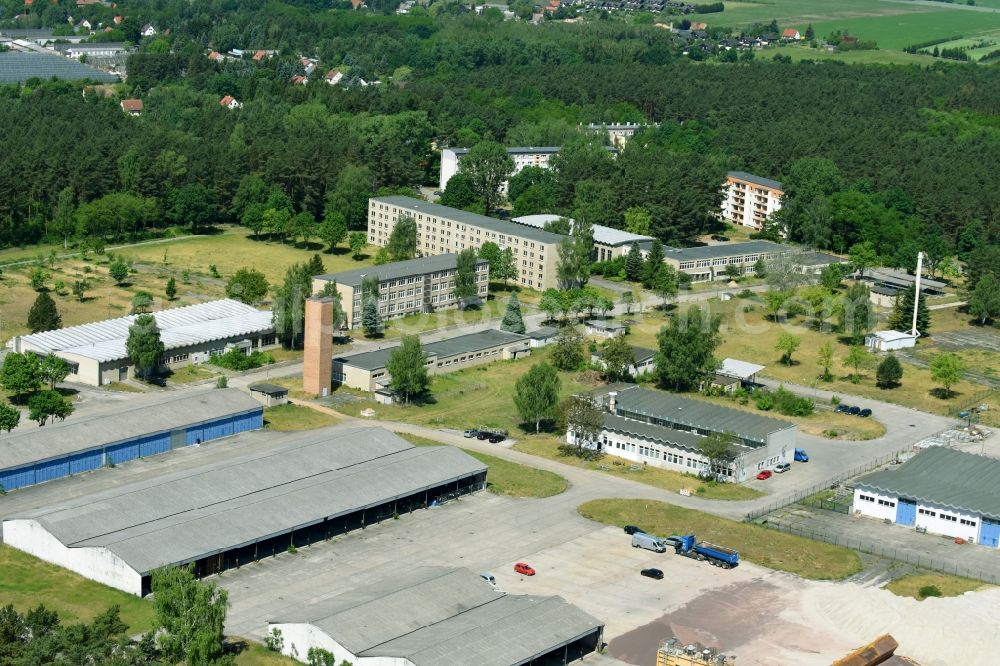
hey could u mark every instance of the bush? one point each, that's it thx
(790, 404)
(928, 591)
(234, 359)
(765, 401)
(746, 294)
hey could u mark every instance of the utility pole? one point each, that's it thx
(916, 294)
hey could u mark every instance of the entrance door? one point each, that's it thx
(906, 512)
(989, 533)
(123, 373)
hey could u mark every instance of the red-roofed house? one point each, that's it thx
(334, 76)
(28, 3)
(299, 80)
(132, 107)
(216, 56)
(230, 102)
(259, 56)
(791, 33)
(699, 26)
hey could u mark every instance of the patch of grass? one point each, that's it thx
(818, 423)
(516, 480)
(122, 387)
(288, 417)
(282, 354)
(776, 550)
(873, 57)
(548, 447)
(189, 374)
(294, 386)
(26, 581)
(254, 654)
(506, 477)
(923, 584)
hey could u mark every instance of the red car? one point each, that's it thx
(524, 569)
(766, 474)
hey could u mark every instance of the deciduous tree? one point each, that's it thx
(142, 302)
(858, 359)
(53, 370)
(402, 243)
(21, 374)
(536, 393)
(247, 285)
(582, 416)
(984, 301)
(46, 404)
(617, 356)
(787, 344)
(686, 349)
(190, 616)
(720, 449)
(466, 288)
(357, 240)
(9, 416)
(118, 270)
(824, 359)
(567, 352)
(171, 289)
(407, 369)
(947, 370)
(857, 318)
(487, 165)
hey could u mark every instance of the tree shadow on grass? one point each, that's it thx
(944, 394)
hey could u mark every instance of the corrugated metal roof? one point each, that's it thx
(952, 479)
(651, 431)
(464, 217)
(603, 235)
(56, 440)
(396, 270)
(723, 250)
(196, 513)
(739, 369)
(179, 327)
(437, 616)
(698, 414)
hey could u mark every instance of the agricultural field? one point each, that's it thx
(893, 24)
(876, 57)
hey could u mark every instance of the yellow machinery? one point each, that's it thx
(675, 653)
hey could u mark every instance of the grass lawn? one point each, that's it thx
(192, 373)
(910, 585)
(122, 387)
(873, 57)
(749, 336)
(290, 417)
(26, 581)
(255, 654)
(421, 322)
(505, 477)
(294, 386)
(775, 550)
(548, 447)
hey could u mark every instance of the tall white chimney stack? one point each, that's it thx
(916, 294)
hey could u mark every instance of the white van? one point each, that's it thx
(649, 542)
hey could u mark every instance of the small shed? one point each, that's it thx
(883, 341)
(269, 395)
(542, 336)
(604, 329)
(741, 370)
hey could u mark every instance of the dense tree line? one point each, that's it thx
(916, 148)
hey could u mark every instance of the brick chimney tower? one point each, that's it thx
(317, 370)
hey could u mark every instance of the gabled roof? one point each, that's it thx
(790, 32)
(397, 269)
(227, 100)
(739, 369)
(179, 327)
(653, 432)
(462, 344)
(438, 616)
(132, 105)
(602, 234)
(945, 477)
(191, 514)
(640, 354)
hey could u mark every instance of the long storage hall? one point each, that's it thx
(30, 456)
(306, 488)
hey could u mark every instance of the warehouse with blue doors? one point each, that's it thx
(939, 491)
(36, 455)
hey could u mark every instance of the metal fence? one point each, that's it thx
(973, 401)
(987, 575)
(832, 482)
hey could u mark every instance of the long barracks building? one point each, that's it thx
(442, 230)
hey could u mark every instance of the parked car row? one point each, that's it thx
(853, 411)
(494, 436)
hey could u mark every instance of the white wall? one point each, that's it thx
(935, 524)
(880, 507)
(449, 167)
(299, 637)
(98, 564)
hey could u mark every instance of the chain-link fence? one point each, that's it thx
(832, 482)
(924, 561)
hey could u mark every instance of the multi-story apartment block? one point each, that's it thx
(608, 242)
(750, 199)
(443, 230)
(709, 262)
(523, 156)
(405, 287)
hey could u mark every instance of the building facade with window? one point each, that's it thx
(709, 262)
(665, 430)
(749, 199)
(405, 287)
(190, 334)
(940, 491)
(523, 156)
(444, 230)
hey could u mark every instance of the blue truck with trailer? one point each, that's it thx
(718, 556)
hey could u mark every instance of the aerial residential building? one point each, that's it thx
(523, 156)
(405, 287)
(618, 133)
(709, 262)
(333, 77)
(442, 230)
(750, 199)
(230, 102)
(132, 107)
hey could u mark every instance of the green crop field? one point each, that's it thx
(892, 23)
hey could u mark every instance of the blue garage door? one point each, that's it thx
(123, 452)
(218, 428)
(989, 533)
(53, 469)
(149, 446)
(84, 462)
(195, 435)
(249, 421)
(906, 512)
(11, 479)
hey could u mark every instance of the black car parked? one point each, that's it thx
(632, 529)
(652, 573)
(865, 412)
(854, 411)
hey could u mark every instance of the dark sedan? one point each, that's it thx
(652, 573)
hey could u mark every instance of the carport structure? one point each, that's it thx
(307, 488)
